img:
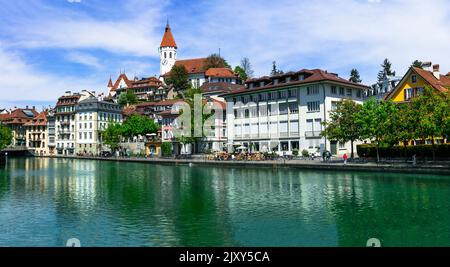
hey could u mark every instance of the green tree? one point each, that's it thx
(375, 120)
(127, 98)
(111, 135)
(354, 76)
(138, 125)
(241, 72)
(416, 63)
(385, 71)
(343, 126)
(179, 79)
(5, 136)
(275, 70)
(247, 67)
(215, 61)
(432, 109)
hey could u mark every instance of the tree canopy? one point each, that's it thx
(343, 126)
(215, 61)
(241, 72)
(5, 136)
(386, 70)
(354, 76)
(127, 98)
(179, 78)
(416, 63)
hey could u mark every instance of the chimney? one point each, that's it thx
(34, 107)
(436, 71)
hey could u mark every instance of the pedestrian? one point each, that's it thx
(345, 159)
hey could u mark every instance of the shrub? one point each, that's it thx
(166, 149)
(305, 153)
(295, 152)
(368, 150)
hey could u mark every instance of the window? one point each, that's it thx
(263, 110)
(358, 93)
(292, 93)
(90, 125)
(253, 112)
(247, 113)
(293, 108)
(85, 135)
(341, 91)
(413, 78)
(333, 90)
(333, 105)
(295, 145)
(283, 109)
(263, 97)
(349, 92)
(312, 90)
(341, 145)
(81, 136)
(90, 135)
(273, 96)
(313, 106)
(284, 146)
(165, 55)
(293, 127)
(283, 95)
(235, 113)
(408, 93)
(170, 55)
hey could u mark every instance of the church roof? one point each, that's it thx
(220, 72)
(168, 40)
(192, 66)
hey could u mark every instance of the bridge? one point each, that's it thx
(17, 151)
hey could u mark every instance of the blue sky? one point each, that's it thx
(48, 47)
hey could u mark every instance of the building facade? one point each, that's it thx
(284, 113)
(93, 116)
(15, 120)
(37, 134)
(65, 123)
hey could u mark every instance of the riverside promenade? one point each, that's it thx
(439, 168)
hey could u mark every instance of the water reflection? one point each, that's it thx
(44, 202)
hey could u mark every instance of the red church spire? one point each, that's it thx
(168, 40)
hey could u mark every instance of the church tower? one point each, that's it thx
(167, 51)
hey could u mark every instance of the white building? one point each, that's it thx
(285, 112)
(93, 116)
(65, 123)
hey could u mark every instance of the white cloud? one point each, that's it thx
(333, 34)
(84, 59)
(136, 32)
(22, 82)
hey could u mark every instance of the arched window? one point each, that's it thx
(170, 55)
(165, 55)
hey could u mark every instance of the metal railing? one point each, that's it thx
(310, 134)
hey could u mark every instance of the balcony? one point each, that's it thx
(313, 134)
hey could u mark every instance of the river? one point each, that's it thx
(44, 202)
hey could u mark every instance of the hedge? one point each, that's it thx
(166, 149)
(369, 150)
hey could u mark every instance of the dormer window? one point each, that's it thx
(288, 79)
(261, 84)
(301, 77)
(413, 78)
(275, 81)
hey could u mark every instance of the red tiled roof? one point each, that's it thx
(147, 82)
(129, 110)
(18, 116)
(314, 75)
(220, 87)
(168, 102)
(39, 120)
(192, 66)
(117, 83)
(110, 85)
(168, 40)
(220, 72)
(441, 85)
(168, 113)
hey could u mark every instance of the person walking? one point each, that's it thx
(345, 159)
